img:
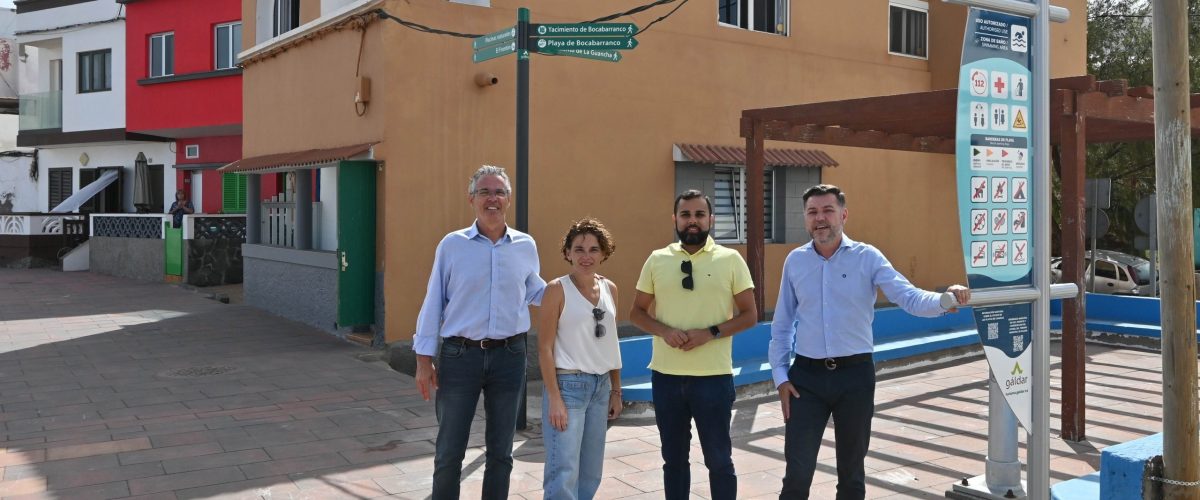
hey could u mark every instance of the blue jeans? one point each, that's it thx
(575, 456)
(848, 394)
(464, 372)
(678, 399)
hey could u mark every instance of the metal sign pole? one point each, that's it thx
(523, 158)
(1039, 439)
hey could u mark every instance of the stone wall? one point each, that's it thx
(296, 284)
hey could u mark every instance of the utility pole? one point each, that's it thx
(1173, 179)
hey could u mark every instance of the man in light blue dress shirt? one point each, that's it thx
(823, 316)
(477, 304)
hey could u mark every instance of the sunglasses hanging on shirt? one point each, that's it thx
(598, 314)
(686, 267)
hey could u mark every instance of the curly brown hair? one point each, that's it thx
(588, 225)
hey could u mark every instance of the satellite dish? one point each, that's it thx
(1145, 215)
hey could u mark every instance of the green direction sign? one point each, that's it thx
(599, 55)
(494, 51)
(585, 29)
(505, 35)
(585, 42)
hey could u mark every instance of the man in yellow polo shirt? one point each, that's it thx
(702, 295)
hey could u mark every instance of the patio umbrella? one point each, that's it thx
(141, 185)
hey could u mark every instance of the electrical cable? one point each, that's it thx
(435, 31)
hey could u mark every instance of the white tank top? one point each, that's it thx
(576, 346)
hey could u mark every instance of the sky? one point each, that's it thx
(6, 3)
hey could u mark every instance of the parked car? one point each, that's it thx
(1116, 273)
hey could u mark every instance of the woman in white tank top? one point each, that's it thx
(581, 365)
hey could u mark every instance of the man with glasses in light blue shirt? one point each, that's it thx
(824, 312)
(484, 279)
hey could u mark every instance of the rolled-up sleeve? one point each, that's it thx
(429, 320)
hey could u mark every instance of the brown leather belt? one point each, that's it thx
(486, 343)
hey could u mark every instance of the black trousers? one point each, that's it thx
(846, 393)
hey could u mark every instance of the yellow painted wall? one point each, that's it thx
(601, 133)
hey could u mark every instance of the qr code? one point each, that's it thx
(1018, 343)
(993, 331)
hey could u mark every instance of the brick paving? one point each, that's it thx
(115, 389)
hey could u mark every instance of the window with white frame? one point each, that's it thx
(228, 41)
(767, 16)
(729, 204)
(191, 151)
(162, 55)
(287, 16)
(908, 28)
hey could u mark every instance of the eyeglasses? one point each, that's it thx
(686, 267)
(598, 314)
(487, 193)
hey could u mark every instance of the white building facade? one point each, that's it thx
(72, 100)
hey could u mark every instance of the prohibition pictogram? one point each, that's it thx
(1000, 221)
(999, 189)
(999, 253)
(1019, 254)
(1018, 184)
(1020, 225)
(979, 222)
(979, 252)
(979, 187)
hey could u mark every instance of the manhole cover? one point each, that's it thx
(198, 371)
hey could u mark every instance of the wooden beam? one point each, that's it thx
(1143, 92)
(1123, 108)
(755, 246)
(1113, 87)
(1072, 132)
(1081, 83)
(839, 136)
(895, 108)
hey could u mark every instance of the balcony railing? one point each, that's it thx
(41, 110)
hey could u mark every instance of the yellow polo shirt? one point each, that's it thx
(718, 273)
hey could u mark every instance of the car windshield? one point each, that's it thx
(1143, 272)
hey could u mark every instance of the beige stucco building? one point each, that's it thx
(609, 140)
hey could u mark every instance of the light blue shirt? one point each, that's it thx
(826, 306)
(479, 289)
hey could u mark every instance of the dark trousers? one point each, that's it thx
(464, 372)
(679, 399)
(848, 394)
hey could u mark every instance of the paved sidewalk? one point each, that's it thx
(111, 388)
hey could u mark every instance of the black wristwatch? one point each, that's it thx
(715, 331)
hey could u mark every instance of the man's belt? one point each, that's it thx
(834, 363)
(486, 343)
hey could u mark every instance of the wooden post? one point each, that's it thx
(755, 234)
(1173, 179)
(1072, 134)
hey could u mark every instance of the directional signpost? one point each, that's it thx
(493, 45)
(597, 41)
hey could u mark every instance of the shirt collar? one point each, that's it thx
(846, 243)
(473, 232)
(709, 244)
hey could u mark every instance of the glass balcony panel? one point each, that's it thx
(41, 110)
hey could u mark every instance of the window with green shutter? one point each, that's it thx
(233, 193)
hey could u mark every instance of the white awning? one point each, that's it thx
(86, 193)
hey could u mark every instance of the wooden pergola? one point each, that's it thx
(1082, 111)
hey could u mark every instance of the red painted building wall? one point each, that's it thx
(205, 102)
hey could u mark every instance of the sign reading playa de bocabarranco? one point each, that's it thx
(993, 157)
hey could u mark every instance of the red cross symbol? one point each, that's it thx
(999, 85)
